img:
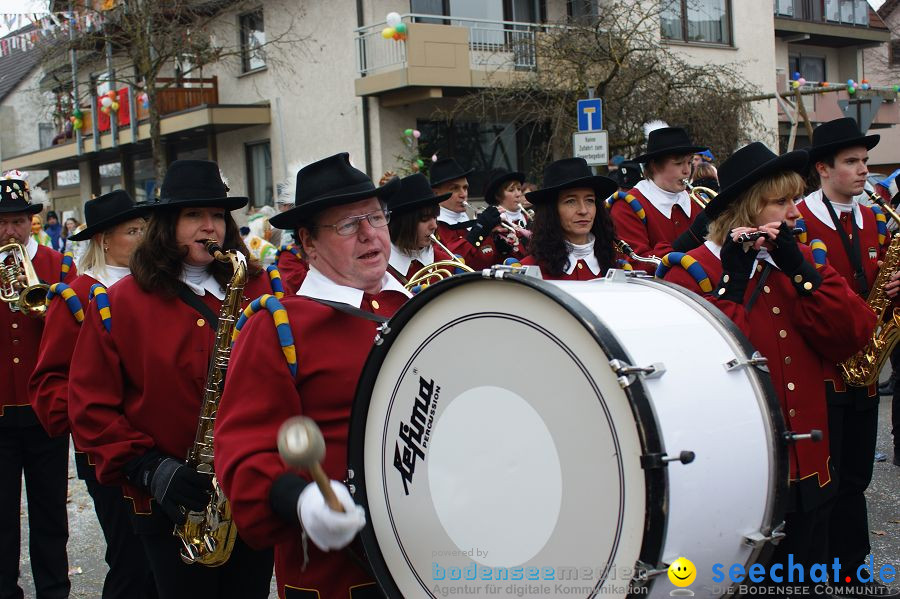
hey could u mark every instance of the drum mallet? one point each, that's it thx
(815, 435)
(301, 445)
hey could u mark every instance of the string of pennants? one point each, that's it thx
(46, 24)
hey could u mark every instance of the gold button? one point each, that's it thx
(580, 266)
(725, 279)
(791, 386)
(807, 286)
(759, 267)
(375, 305)
(798, 279)
(200, 322)
(15, 360)
(776, 310)
(792, 412)
(766, 289)
(15, 325)
(782, 333)
(477, 244)
(15, 342)
(787, 359)
(722, 291)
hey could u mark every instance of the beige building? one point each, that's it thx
(340, 86)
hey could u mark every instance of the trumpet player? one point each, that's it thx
(25, 448)
(504, 190)
(832, 213)
(663, 218)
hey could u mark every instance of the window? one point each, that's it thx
(894, 53)
(522, 11)
(582, 9)
(144, 179)
(259, 174)
(705, 21)
(253, 38)
(811, 68)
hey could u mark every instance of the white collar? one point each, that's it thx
(209, 283)
(664, 200)
(109, 275)
(316, 285)
(762, 255)
(31, 248)
(452, 218)
(818, 209)
(401, 260)
(583, 252)
(515, 216)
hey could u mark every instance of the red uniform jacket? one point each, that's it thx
(293, 270)
(19, 350)
(260, 394)
(655, 237)
(581, 272)
(871, 251)
(482, 256)
(795, 333)
(140, 385)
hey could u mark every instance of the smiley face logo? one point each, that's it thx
(682, 572)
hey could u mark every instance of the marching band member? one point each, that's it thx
(662, 217)
(289, 260)
(113, 230)
(504, 190)
(796, 314)
(414, 210)
(471, 239)
(24, 445)
(139, 371)
(627, 175)
(342, 219)
(838, 156)
(572, 239)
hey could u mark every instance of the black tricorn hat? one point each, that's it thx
(15, 196)
(415, 192)
(569, 173)
(332, 181)
(196, 183)
(748, 166)
(628, 174)
(496, 178)
(836, 135)
(447, 169)
(668, 141)
(106, 211)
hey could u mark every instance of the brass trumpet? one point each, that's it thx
(436, 271)
(699, 195)
(29, 297)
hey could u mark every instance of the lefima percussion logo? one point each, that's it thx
(413, 437)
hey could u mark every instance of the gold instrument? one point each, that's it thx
(699, 195)
(208, 536)
(863, 368)
(626, 249)
(436, 271)
(29, 297)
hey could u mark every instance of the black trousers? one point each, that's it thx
(45, 463)
(129, 575)
(806, 538)
(852, 435)
(246, 575)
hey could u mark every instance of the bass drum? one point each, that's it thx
(501, 445)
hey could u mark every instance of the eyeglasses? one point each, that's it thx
(350, 225)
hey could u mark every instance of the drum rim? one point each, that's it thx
(647, 426)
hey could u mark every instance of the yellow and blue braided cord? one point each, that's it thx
(67, 262)
(292, 248)
(275, 279)
(282, 326)
(623, 264)
(819, 252)
(687, 263)
(801, 224)
(632, 201)
(881, 224)
(101, 300)
(72, 301)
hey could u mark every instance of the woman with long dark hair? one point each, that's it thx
(140, 370)
(572, 236)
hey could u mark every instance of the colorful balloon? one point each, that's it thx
(416, 133)
(400, 27)
(392, 19)
(408, 132)
(387, 33)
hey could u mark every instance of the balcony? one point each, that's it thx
(823, 107)
(831, 23)
(442, 52)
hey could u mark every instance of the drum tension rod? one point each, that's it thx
(628, 374)
(759, 539)
(644, 572)
(756, 359)
(661, 460)
(815, 435)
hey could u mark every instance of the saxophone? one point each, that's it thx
(862, 369)
(208, 536)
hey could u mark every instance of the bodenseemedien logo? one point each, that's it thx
(682, 573)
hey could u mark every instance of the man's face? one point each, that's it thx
(15, 225)
(358, 260)
(847, 177)
(460, 190)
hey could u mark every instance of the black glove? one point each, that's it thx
(788, 257)
(737, 266)
(484, 224)
(694, 236)
(177, 487)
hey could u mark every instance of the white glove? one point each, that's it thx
(327, 528)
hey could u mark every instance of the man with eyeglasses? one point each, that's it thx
(340, 219)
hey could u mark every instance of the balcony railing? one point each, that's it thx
(494, 44)
(842, 12)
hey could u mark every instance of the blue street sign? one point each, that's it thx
(590, 114)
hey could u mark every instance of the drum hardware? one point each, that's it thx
(383, 329)
(661, 460)
(758, 539)
(757, 360)
(815, 435)
(628, 373)
(499, 271)
(301, 445)
(644, 572)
